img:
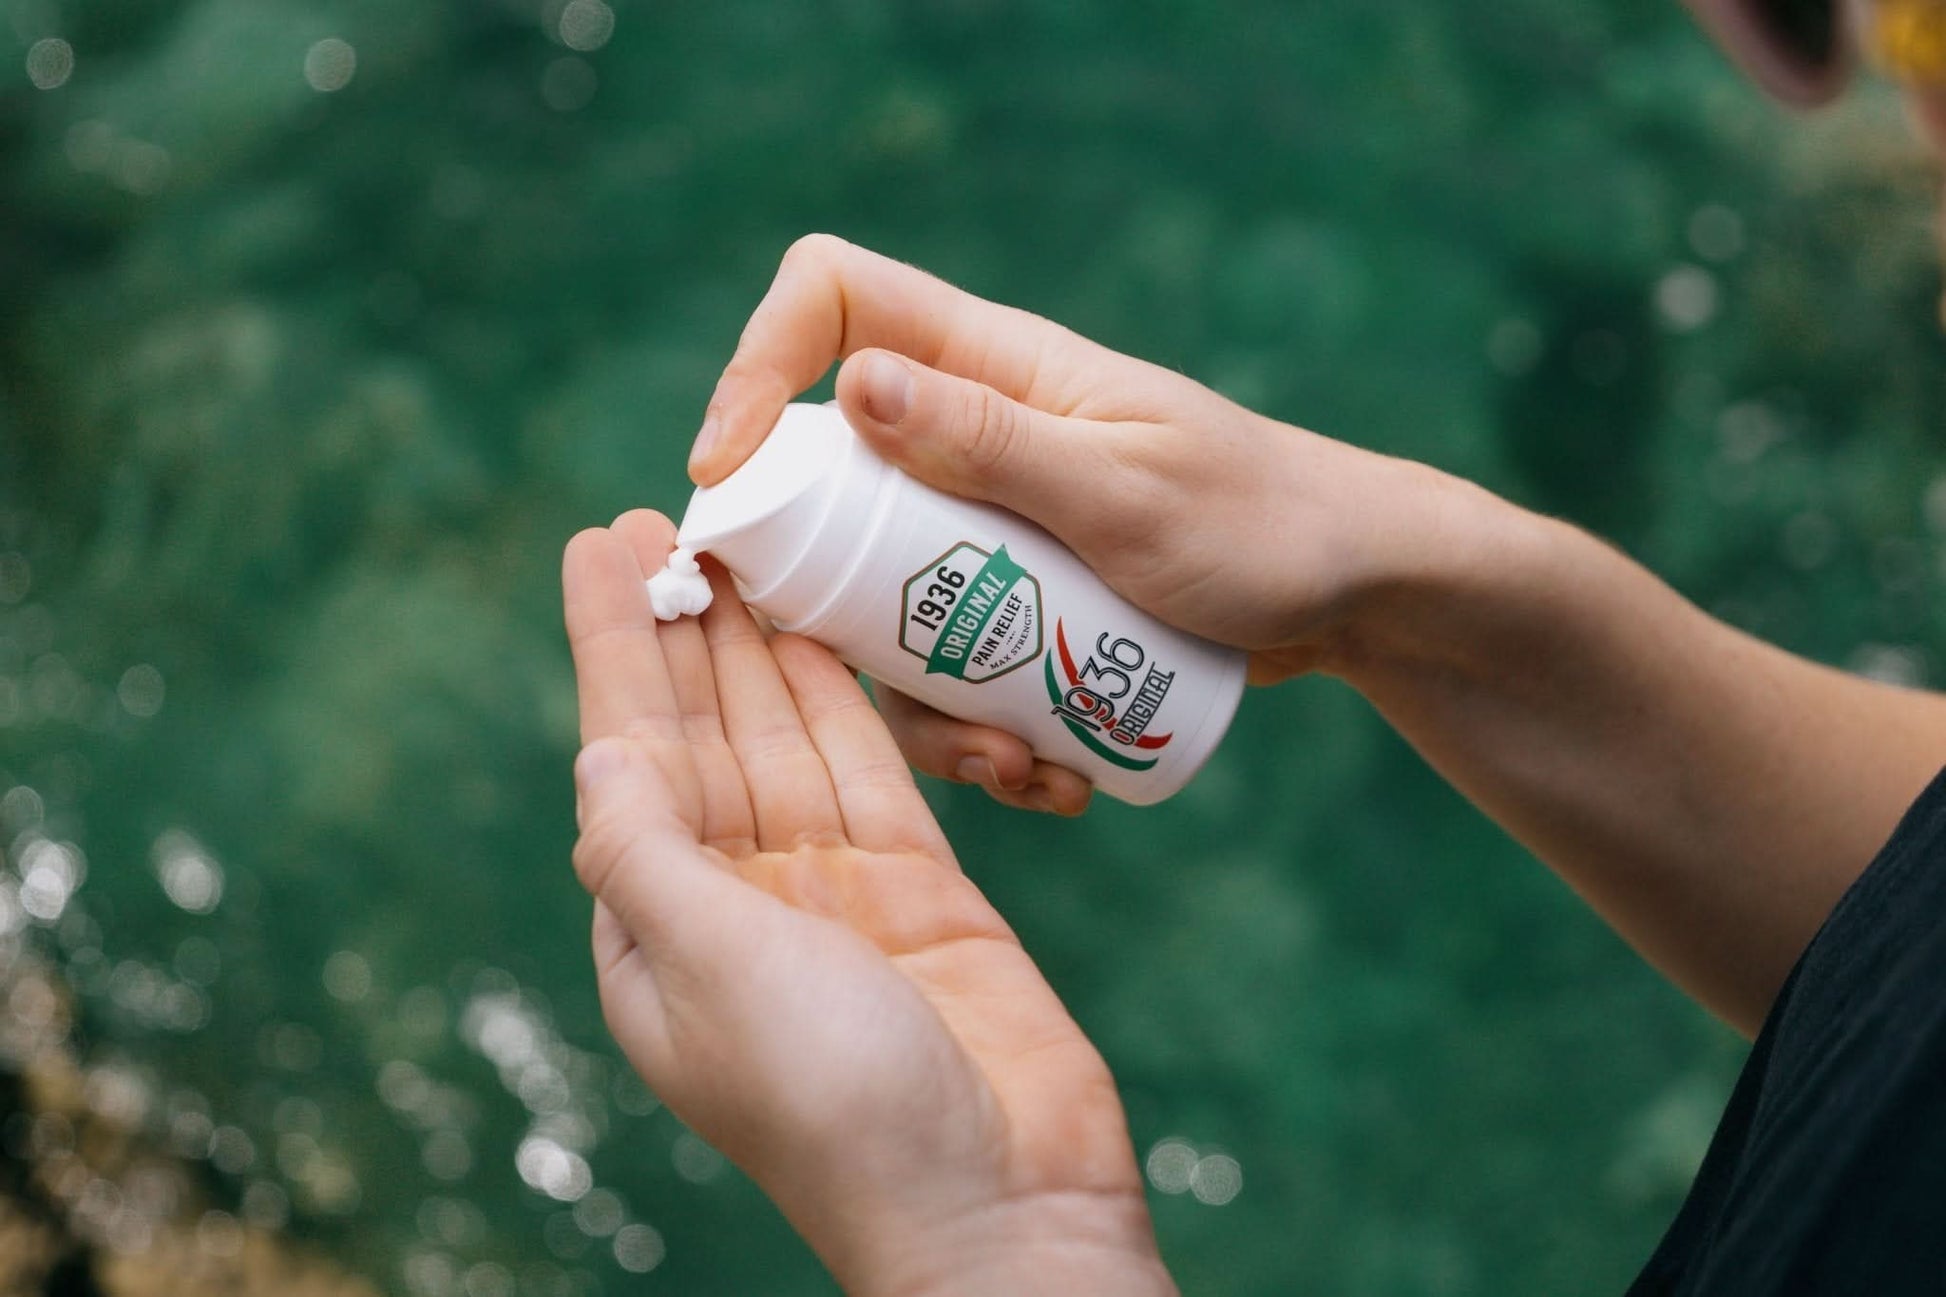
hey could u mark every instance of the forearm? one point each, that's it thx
(1710, 795)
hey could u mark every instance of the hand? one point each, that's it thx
(1241, 529)
(789, 954)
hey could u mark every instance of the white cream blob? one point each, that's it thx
(679, 589)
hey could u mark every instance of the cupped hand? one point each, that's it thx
(790, 955)
(1222, 522)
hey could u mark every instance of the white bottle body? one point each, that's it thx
(979, 613)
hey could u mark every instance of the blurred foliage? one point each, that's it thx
(302, 389)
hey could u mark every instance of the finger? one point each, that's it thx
(1074, 476)
(829, 299)
(882, 808)
(997, 761)
(727, 822)
(949, 748)
(667, 910)
(620, 675)
(791, 797)
(1052, 789)
(619, 669)
(637, 854)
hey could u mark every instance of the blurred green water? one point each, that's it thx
(302, 389)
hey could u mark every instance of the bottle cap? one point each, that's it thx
(763, 521)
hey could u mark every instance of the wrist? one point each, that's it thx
(1440, 582)
(1064, 1244)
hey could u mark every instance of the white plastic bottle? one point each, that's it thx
(964, 606)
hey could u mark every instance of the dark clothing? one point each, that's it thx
(1828, 1172)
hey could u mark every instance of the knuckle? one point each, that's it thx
(1017, 800)
(882, 775)
(930, 754)
(648, 732)
(701, 728)
(992, 428)
(836, 702)
(775, 748)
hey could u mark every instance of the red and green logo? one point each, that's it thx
(1100, 699)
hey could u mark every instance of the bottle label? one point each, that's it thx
(972, 615)
(1110, 698)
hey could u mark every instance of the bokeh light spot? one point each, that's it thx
(292, 1046)
(430, 1274)
(1716, 233)
(568, 84)
(231, 1151)
(451, 1222)
(488, 1279)
(639, 1248)
(190, 877)
(347, 977)
(564, 1238)
(559, 1172)
(49, 874)
(633, 1097)
(447, 1156)
(694, 1160)
(21, 809)
(218, 1234)
(140, 690)
(329, 65)
(1169, 1166)
(50, 63)
(1216, 1180)
(1514, 346)
(197, 960)
(265, 1205)
(1687, 298)
(599, 1214)
(586, 25)
(1890, 664)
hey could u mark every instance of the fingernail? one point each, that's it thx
(706, 440)
(977, 770)
(599, 762)
(887, 389)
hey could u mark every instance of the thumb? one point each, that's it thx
(637, 853)
(968, 439)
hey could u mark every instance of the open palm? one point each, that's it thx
(788, 951)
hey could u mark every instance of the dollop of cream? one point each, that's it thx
(680, 589)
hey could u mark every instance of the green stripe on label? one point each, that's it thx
(978, 604)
